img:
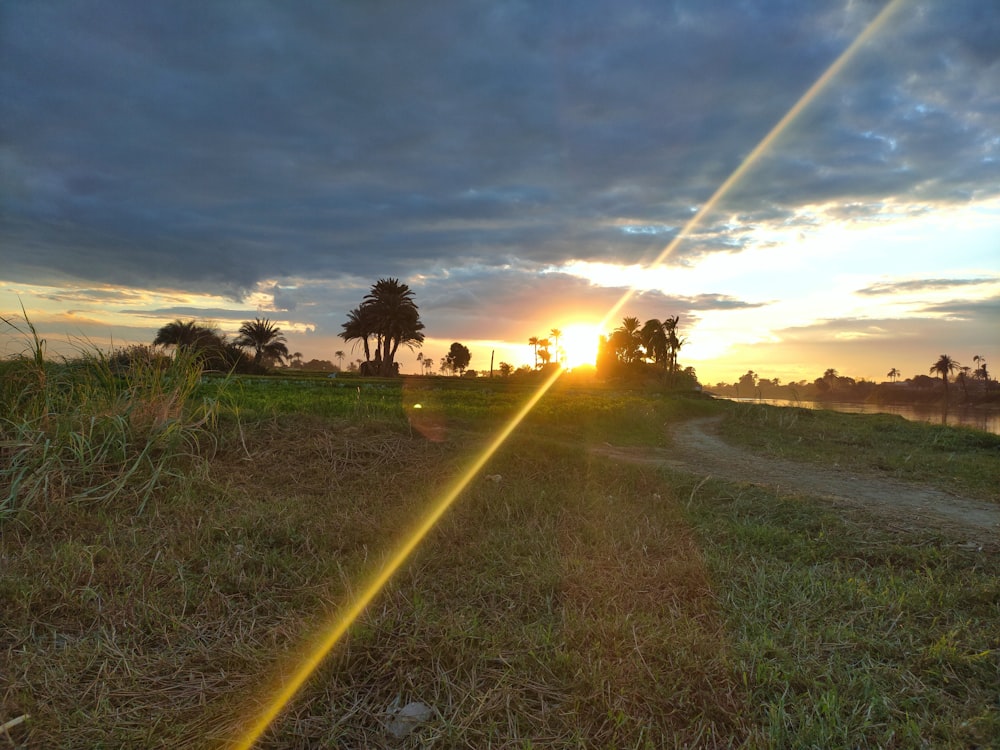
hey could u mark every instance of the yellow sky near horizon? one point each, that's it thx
(859, 298)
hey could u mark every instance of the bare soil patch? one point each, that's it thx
(696, 448)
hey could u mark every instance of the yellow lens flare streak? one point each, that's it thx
(343, 620)
(804, 101)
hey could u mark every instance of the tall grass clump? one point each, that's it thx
(95, 427)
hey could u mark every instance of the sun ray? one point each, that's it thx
(828, 75)
(343, 620)
(339, 624)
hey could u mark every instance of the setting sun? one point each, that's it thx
(579, 342)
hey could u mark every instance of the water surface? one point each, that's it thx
(982, 418)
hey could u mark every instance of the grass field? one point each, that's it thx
(564, 600)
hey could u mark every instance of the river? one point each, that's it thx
(987, 419)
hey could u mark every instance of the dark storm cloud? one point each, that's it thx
(212, 146)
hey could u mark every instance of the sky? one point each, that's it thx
(521, 166)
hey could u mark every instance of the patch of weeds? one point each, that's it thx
(95, 428)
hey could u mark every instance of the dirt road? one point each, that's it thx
(697, 449)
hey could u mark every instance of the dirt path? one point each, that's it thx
(697, 449)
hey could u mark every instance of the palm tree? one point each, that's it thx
(388, 315)
(980, 371)
(555, 333)
(396, 318)
(339, 354)
(533, 342)
(893, 374)
(185, 335)
(963, 379)
(359, 327)
(626, 340)
(654, 340)
(674, 343)
(543, 351)
(264, 337)
(944, 366)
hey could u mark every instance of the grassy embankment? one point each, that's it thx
(959, 460)
(575, 602)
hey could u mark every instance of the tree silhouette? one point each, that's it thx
(980, 371)
(962, 379)
(747, 383)
(265, 338)
(458, 358)
(533, 343)
(388, 316)
(674, 343)
(211, 348)
(543, 351)
(626, 340)
(359, 327)
(654, 340)
(187, 335)
(339, 354)
(555, 333)
(944, 367)
(893, 374)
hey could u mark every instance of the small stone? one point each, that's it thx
(408, 718)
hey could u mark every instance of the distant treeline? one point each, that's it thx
(920, 389)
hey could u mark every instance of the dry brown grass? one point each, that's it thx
(565, 606)
(577, 602)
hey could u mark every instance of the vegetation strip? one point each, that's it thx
(569, 600)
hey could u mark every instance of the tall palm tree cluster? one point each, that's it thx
(945, 366)
(261, 335)
(386, 319)
(655, 340)
(542, 346)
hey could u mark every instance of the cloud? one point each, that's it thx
(864, 347)
(986, 309)
(208, 159)
(213, 148)
(919, 285)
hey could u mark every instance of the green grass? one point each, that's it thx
(93, 429)
(955, 459)
(850, 636)
(575, 602)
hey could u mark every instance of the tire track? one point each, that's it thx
(697, 449)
